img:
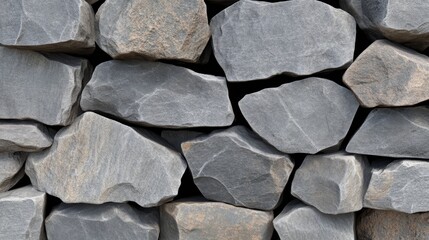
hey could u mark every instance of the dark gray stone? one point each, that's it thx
(176, 137)
(23, 136)
(11, 169)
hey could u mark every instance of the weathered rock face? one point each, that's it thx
(256, 40)
(23, 136)
(394, 132)
(153, 29)
(158, 94)
(68, 29)
(22, 213)
(176, 137)
(305, 116)
(213, 220)
(97, 160)
(387, 74)
(301, 222)
(11, 169)
(235, 166)
(107, 221)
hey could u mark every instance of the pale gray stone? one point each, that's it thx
(256, 40)
(11, 169)
(236, 166)
(305, 116)
(97, 160)
(158, 94)
(49, 25)
(176, 137)
(23, 136)
(197, 219)
(113, 221)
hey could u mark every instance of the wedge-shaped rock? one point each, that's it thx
(301, 222)
(49, 26)
(98, 160)
(195, 219)
(45, 88)
(23, 136)
(393, 132)
(158, 94)
(150, 29)
(107, 221)
(305, 116)
(176, 137)
(11, 169)
(256, 40)
(22, 214)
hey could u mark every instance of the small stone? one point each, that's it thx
(196, 219)
(23, 136)
(393, 132)
(176, 137)
(149, 29)
(236, 166)
(97, 160)
(22, 214)
(107, 221)
(298, 221)
(11, 169)
(256, 40)
(158, 94)
(305, 116)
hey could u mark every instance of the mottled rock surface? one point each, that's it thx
(11, 169)
(305, 116)
(158, 94)
(97, 160)
(24, 136)
(176, 137)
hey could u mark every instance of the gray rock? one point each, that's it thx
(24, 136)
(393, 132)
(235, 166)
(49, 26)
(107, 221)
(158, 94)
(305, 116)
(176, 137)
(256, 40)
(45, 88)
(92, 1)
(298, 221)
(98, 160)
(387, 74)
(195, 219)
(22, 214)
(333, 183)
(11, 169)
(149, 29)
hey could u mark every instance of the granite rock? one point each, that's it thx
(11, 169)
(176, 137)
(23, 136)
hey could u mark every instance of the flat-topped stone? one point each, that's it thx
(23, 136)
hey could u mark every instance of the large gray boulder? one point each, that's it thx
(256, 40)
(11, 169)
(109, 221)
(150, 29)
(176, 137)
(236, 166)
(158, 94)
(305, 116)
(49, 26)
(393, 132)
(24, 136)
(98, 160)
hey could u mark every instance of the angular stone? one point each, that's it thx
(23, 136)
(236, 166)
(98, 160)
(107, 221)
(393, 132)
(333, 183)
(11, 169)
(149, 29)
(301, 222)
(44, 88)
(48, 26)
(158, 94)
(196, 219)
(256, 40)
(176, 137)
(305, 116)
(22, 214)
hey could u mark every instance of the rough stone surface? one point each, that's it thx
(11, 169)
(194, 219)
(49, 26)
(301, 222)
(176, 137)
(24, 136)
(107, 221)
(235, 166)
(256, 40)
(45, 88)
(333, 183)
(393, 132)
(158, 94)
(149, 29)
(22, 214)
(305, 116)
(97, 160)
(389, 75)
